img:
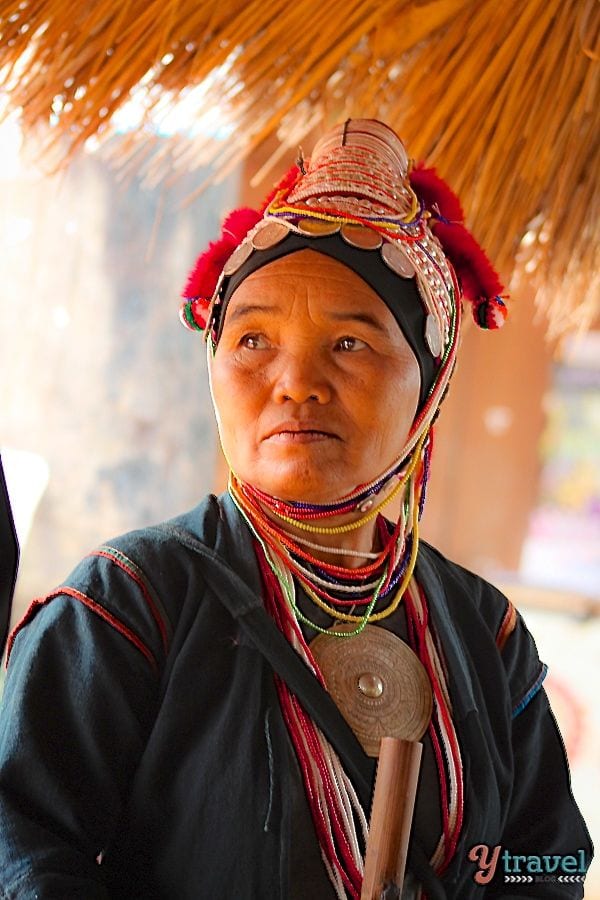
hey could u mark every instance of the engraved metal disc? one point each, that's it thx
(395, 257)
(239, 256)
(269, 234)
(378, 683)
(361, 237)
(317, 227)
(433, 335)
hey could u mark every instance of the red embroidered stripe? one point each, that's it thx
(507, 626)
(95, 607)
(119, 559)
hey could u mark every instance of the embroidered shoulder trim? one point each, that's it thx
(95, 607)
(531, 692)
(148, 593)
(507, 626)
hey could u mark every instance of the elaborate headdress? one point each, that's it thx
(399, 226)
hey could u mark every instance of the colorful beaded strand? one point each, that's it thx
(325, 781)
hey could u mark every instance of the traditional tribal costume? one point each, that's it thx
(360, 201)
(398, 226)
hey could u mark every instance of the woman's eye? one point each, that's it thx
(252, 341)
(350, 343)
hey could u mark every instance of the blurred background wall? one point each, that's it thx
(105, 405)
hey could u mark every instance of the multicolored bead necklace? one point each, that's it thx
(334, 588)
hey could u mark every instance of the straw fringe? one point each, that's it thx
(504, 100)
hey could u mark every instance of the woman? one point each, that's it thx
(196, 712)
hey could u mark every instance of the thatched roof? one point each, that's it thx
(503, 98)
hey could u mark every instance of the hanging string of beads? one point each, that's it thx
(339, 819)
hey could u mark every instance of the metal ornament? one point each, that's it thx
(394, 256)
(317, 227)
(361, 237)
(433, 335)
(237, 258)
(366, 505)
(377, 681)
(269, 234)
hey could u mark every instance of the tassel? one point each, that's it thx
(193, 314)
(490, 313)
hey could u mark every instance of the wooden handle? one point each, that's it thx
(391, 816)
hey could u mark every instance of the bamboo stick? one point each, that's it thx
(391, 816)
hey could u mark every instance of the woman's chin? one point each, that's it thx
(300, 493)
(301, 484)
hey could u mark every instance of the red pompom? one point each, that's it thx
(203, 278)
(435, 194)
(490, 312)
(239, 222)
(478, 279)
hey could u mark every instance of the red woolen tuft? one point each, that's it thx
(477, 276)
(239, 222)
(435, 194)
(203, 278)
(286, 184)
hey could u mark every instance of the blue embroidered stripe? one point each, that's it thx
(531, 692)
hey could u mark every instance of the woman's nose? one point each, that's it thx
(299, 379)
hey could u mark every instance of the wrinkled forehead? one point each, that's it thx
(306, 265)
(332, 261)
(311, 273)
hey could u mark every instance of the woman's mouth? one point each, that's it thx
(308, 436)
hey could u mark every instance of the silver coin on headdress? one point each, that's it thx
(269, 234)
(361, 237)
(239, 256)
(433, 335)
(394, 256)
(317, 227)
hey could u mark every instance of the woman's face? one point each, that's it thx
(315, 385)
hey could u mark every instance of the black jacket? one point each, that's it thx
(140, 728)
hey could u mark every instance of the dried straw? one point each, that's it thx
(503, 98)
